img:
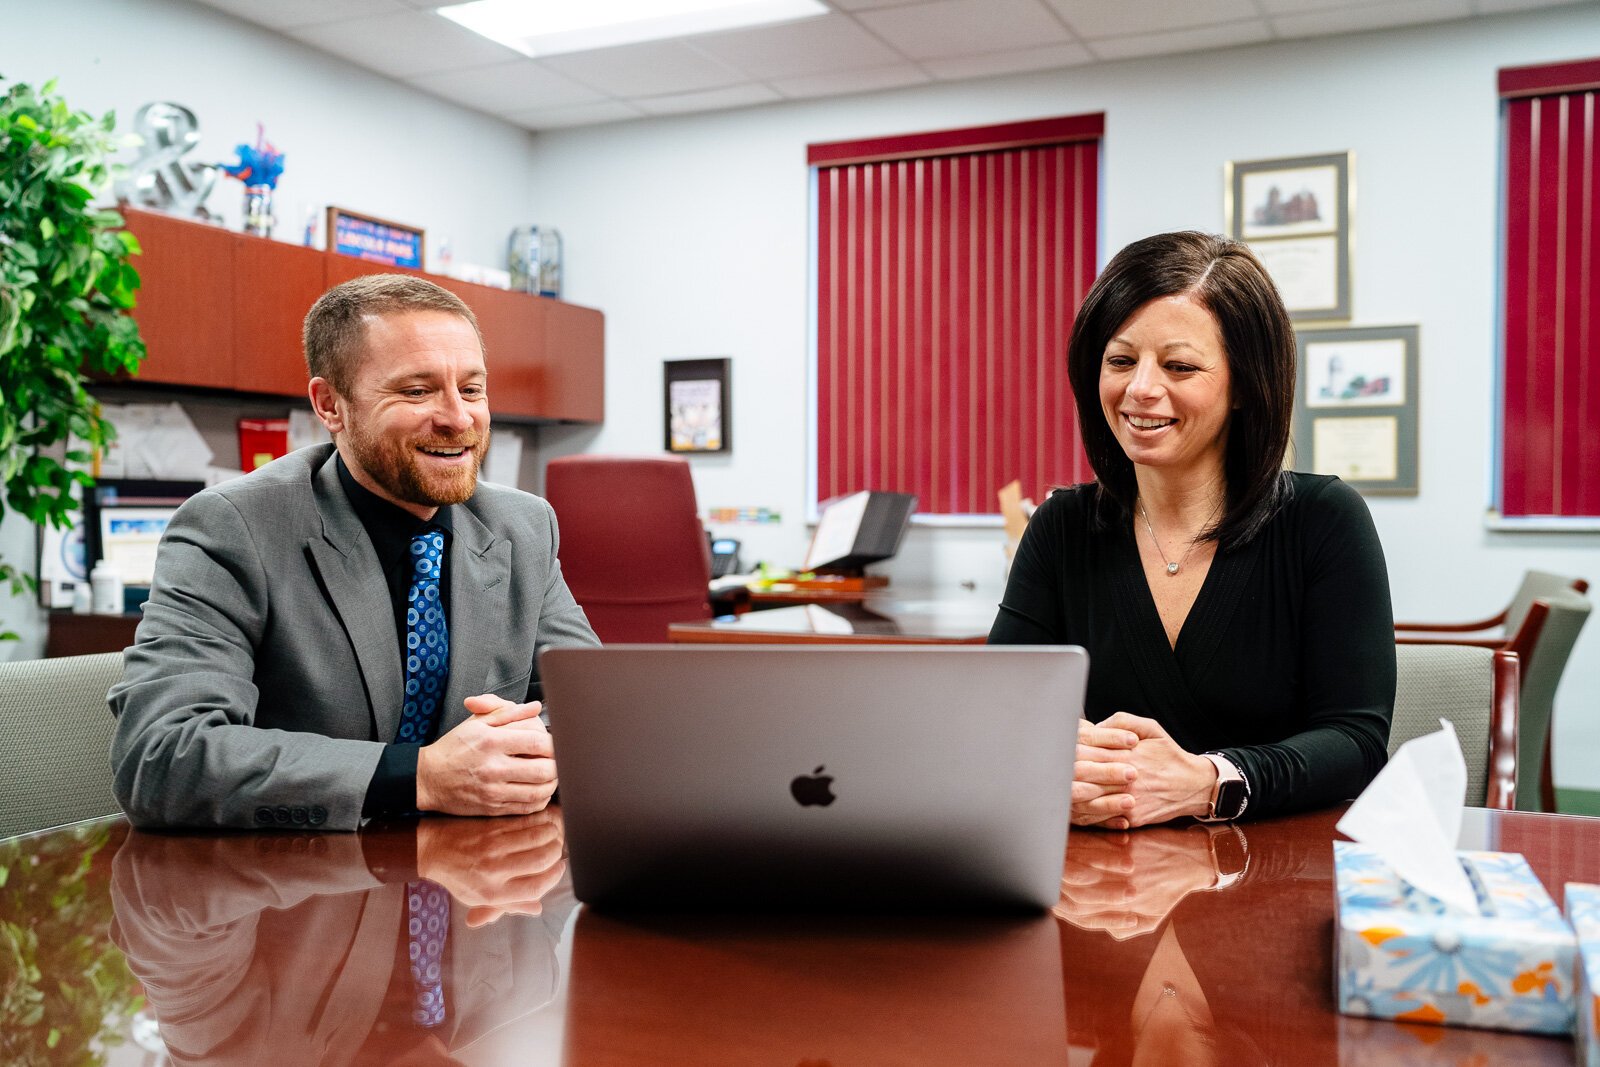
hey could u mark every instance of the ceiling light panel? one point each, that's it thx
(552, 27)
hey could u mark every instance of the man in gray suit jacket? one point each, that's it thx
(281, 675)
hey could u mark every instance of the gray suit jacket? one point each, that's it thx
(265, 676)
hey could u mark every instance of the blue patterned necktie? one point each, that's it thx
(427, 923)
(427, 640)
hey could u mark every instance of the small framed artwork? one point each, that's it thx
(1295, 215)
(1356, 407)
(374, 240)
(699, 410)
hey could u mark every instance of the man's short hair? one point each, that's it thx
(335, 332)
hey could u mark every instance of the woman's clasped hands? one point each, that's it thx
(1130, 772)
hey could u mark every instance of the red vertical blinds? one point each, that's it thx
(1550, 452)
(949, 268)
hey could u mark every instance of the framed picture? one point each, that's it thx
(1356, 407)
(374, 240)
(1295, 215)
(699, 411)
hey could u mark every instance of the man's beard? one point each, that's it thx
(396, 466)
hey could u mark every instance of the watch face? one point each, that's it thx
(1229, 851)
(1230, 799)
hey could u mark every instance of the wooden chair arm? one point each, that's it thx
(1475, 642)
(1503, 769)
(1454, 627)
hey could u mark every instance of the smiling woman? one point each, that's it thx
(1237, 616)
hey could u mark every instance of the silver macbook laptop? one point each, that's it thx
(750, 776)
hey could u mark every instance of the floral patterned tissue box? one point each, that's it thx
(1583, 908)
(1402, 954)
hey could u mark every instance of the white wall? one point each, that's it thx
(349, 137)
(691, 233)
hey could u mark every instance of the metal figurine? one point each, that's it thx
(160, 178)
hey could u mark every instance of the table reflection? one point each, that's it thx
(342, 948)
(1165, 926)
(815, 989)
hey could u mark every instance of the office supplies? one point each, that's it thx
(757, 776)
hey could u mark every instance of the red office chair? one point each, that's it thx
(632, 548)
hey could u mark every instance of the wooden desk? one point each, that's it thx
(286, 945)
(876, 620)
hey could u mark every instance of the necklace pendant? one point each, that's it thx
(1172, 568)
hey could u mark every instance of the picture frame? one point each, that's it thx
(1356, 404)
(697, 405)
(375, 240)
(1295, 214)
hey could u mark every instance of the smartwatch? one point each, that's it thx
(1231, 793)
(1230, 852)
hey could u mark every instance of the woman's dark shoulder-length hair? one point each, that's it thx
(1225, 277)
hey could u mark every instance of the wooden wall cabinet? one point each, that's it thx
(223, 310)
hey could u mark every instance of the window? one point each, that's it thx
(1548, 462)
(949, 267)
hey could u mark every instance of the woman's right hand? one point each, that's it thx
(1102, 776)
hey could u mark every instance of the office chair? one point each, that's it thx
(632, 547)
(1543, 669)
(1534, 584)
(1476, 689)
(55, 762)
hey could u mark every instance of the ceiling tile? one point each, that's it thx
(1497, 7)
(1179, 41)
(1370, 17)
(582, 115)
(652, 69)
(791, 49)
(851, 81)
(504, 87)
(991, 64)
(709, 100)
(867, 5)
(404, 45)
(281, 14)
(1294, 7)
(965, 27)
(1098, 18)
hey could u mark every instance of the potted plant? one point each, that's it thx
(66, 288)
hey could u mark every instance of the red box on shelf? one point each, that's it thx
(261, 441)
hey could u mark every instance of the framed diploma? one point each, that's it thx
(1355, 412)
(1295, 215)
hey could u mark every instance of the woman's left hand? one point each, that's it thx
(1169, 782)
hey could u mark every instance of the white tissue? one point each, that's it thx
(1411, 816)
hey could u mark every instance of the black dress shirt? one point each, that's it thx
(393, 789)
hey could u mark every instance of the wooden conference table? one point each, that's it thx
(882, 620)
(1174, 945)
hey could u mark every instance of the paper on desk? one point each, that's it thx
(1411, 816)
(154, 441)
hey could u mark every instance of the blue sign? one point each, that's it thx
(375, 241)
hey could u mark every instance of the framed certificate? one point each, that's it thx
(1295, 215)
(1356, 407)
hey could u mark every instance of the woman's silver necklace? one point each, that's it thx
(1173, 567)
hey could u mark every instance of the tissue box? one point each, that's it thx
(1583, 908)
(1402, 954)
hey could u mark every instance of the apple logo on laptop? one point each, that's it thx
(812, 789)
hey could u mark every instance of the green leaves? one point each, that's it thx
(66, 287)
